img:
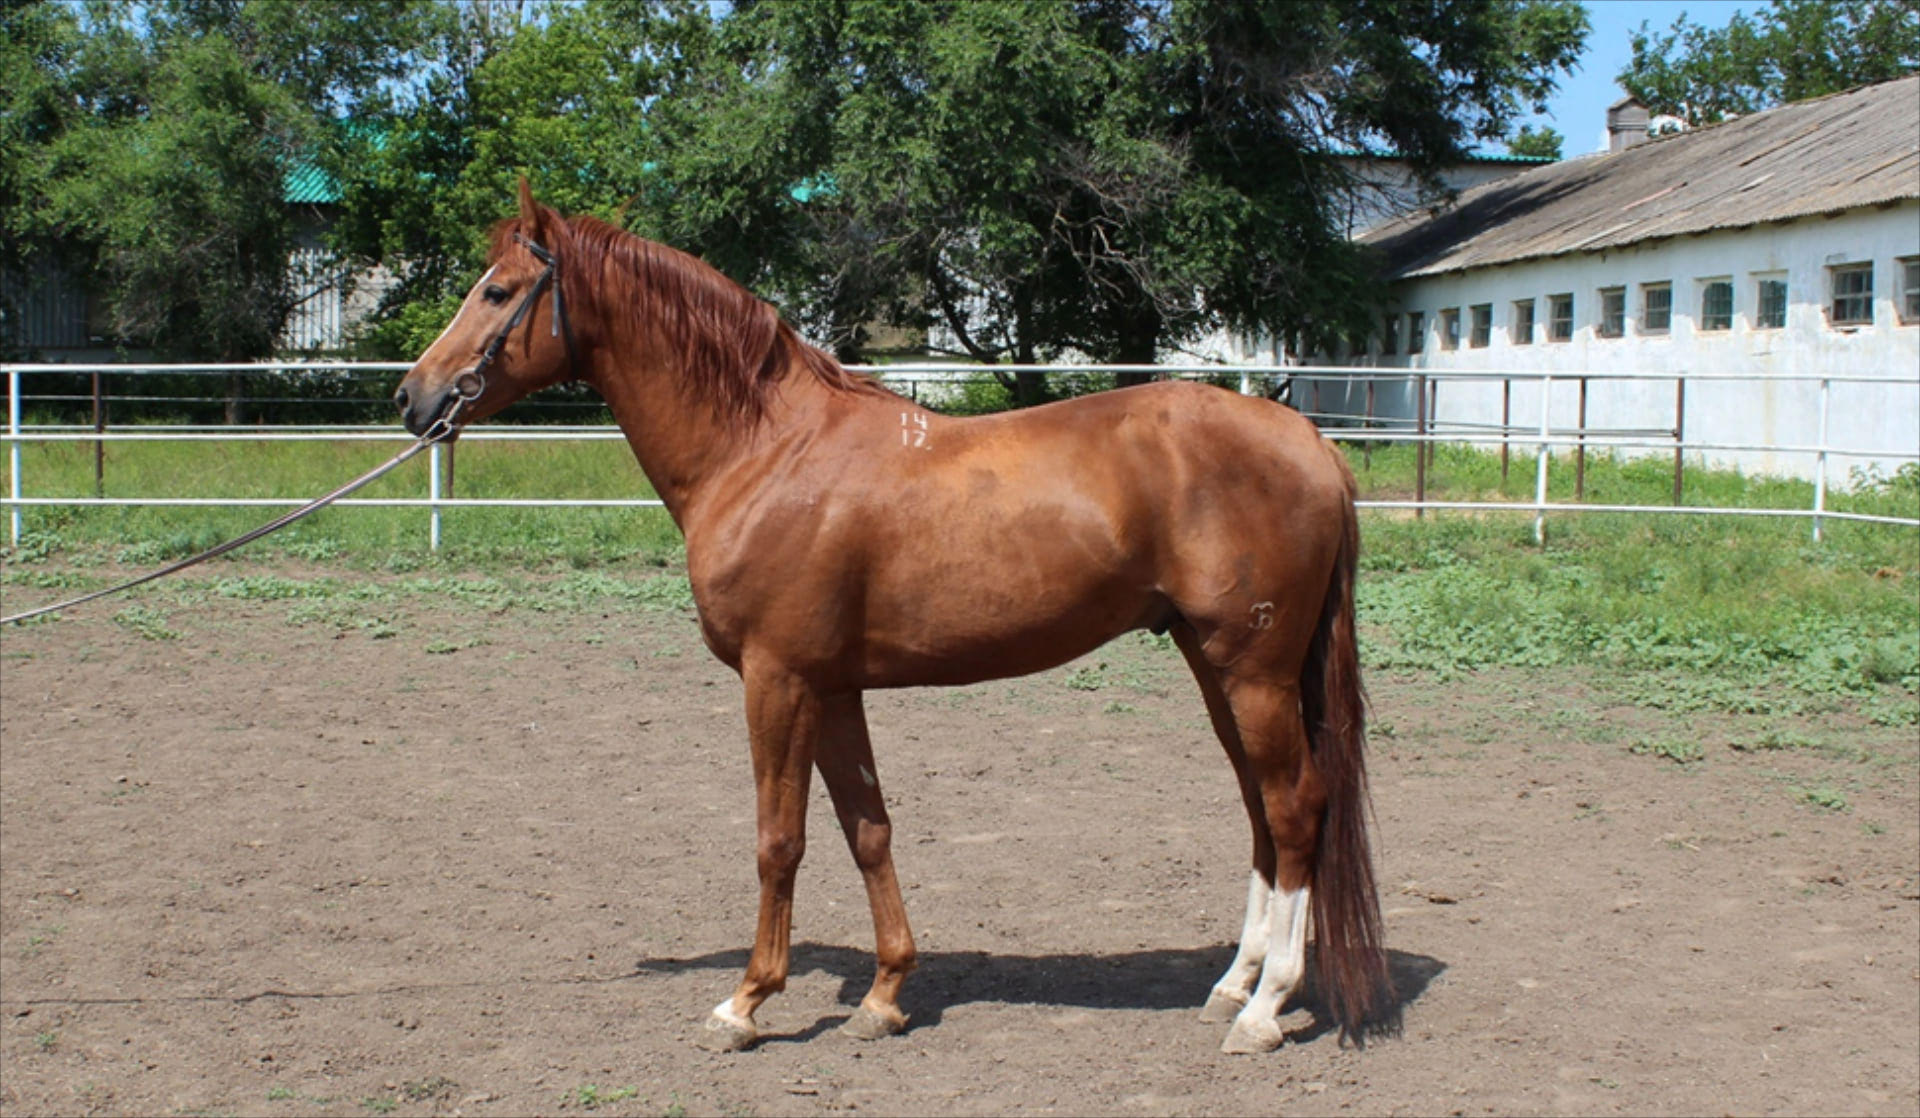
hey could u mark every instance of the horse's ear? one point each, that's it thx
(529, 209)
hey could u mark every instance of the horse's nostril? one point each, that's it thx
(400, 399)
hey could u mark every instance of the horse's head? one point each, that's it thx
(510, 336)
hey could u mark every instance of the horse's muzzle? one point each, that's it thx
(420, 410)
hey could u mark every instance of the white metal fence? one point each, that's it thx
(1369, 405)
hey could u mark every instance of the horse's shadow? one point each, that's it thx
(1162, 978)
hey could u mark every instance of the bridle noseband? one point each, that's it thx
(471, 384)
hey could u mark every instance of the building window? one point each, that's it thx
(1656, 308)
(1389, 335)
(1852, 303)
(1450, 328)
(1613, 312)
(1560, 318)
(1909, 289)
(1522, 332)
(1482, 326)
(1770, 311)
(1416, 331)
(1716, 305)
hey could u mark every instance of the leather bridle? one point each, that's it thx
(469, 386)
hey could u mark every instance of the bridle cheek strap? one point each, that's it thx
(561, 326)
(472, 383)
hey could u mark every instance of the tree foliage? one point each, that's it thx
(1543, 143)
(1790, 51)
(159, 137)
(1108, 177)
(1111, 178)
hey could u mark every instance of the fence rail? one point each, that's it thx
(1363, 426)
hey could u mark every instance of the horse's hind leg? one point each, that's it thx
(845, 759)
(1236, 986)
(1273, 734)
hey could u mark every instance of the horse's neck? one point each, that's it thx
(682, 441)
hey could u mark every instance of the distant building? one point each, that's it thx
(1783, 242)
(50, 316)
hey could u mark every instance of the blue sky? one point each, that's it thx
(1579, 110)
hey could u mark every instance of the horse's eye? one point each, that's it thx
(494, 294)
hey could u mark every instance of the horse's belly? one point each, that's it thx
(965, 634)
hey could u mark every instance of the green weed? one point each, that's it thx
(149, 623)
(1671, 749)
(1090, 678)
(1823, 796)
(424, 1089)
(590, 1096)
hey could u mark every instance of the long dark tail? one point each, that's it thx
(1351, 964)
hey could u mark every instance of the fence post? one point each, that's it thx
(1580, 449)
(99, 447)
(13, 448)
(1420, 448)
(1433, 418)
(1366, 446)
(1506, 425)
(1679, 432)
(1820, 471)
(433, 497)
(1540, 481)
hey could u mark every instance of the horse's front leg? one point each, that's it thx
(783, 722)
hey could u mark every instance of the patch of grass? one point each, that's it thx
(431, 1087)
(46, 1041)
(1090, 678)
(1671, 749)
(380, 1104)
(1685, 614)
(149, 623)
(591, 1096)
(281, 1094)
(271, 588)
(1823, 796)
(37, 940)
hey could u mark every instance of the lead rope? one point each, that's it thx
(442, 429)
(467, 388)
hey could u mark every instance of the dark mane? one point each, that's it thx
(735, 349)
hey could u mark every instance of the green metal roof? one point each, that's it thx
(307, 184)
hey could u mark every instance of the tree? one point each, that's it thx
(1791, 51)
(38, 43)
(1542, 144)
(1108, 176)
(161, 174)
(556, 92)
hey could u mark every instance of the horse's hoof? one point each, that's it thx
(724, 1035)
(1221, 1008)
(1251, 1040)
(868, 1023)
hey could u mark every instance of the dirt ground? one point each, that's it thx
(500, 863)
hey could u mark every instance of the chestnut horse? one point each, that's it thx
(841, 538)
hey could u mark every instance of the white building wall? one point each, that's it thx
(1882, 417)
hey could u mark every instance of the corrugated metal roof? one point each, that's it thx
(306, 183)
(1833, 153)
